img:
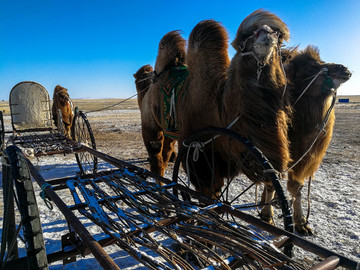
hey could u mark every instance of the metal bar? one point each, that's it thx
(297, 240)
(102, 257)
(122, 164)
(328, 264)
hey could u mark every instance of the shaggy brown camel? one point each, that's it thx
(158, 137)
(248, 93)
(312, 85)
(143, 79)
(62, 102)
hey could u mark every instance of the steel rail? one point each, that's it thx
(102, 257)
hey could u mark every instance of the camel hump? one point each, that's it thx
(208, 36)
(208, 49)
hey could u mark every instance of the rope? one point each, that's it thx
(113, 105)
(323, 70)
(322, 129)
(43, 196)
(308, 199)
(199, 146)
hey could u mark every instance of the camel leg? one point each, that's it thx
(168, 150)
(301, 224)
(154, 145)
(267, 211)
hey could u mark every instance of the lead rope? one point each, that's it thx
(122, 101)
(308, 199)
(321, 129)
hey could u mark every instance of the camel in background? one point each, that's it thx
(62, 103)
(312, 87)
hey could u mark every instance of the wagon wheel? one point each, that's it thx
(238, 191)
(60, 123)
(21, 228)
(81, 132)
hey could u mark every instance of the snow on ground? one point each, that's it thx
(335, 192)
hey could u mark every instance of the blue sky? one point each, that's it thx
(93, 47)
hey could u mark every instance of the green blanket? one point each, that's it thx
(172, 91)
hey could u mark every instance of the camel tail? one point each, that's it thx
(208, 50)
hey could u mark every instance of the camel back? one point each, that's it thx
(30, 107)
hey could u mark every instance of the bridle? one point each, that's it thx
(328, 82)
(260, 62)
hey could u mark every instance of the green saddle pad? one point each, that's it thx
(172, 91)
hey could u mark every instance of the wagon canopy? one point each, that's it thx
(30, 107)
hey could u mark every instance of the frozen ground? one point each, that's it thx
(335, 192)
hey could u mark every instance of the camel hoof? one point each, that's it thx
(304, 229)
(267, 219)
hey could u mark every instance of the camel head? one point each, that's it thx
(171, 51)
(261, 33)
(306, 70)
(143, 77)
(61, 94)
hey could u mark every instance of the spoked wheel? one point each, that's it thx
(22, 227)
(203, 162)
(81, 132)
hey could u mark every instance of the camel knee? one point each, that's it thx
(154, 149)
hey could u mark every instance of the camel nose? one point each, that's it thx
(342, 69)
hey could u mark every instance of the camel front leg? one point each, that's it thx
(267, 211)
(301, 224)
(154, 146)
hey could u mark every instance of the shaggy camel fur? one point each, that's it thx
(142, 81)
(171, 54)
(62, 102)
(249, 90)
(310, 111)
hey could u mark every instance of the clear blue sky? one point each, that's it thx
(93, 47)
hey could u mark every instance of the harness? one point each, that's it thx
(326, 85)
(172, 91)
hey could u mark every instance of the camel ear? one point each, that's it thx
(134, 75)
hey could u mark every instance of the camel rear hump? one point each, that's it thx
(207, 55)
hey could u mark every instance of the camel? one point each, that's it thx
(143, 79)
(247, 92)
(169, 75)
(62, 102)
(312, 87)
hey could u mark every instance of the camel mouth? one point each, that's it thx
(341, 75)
